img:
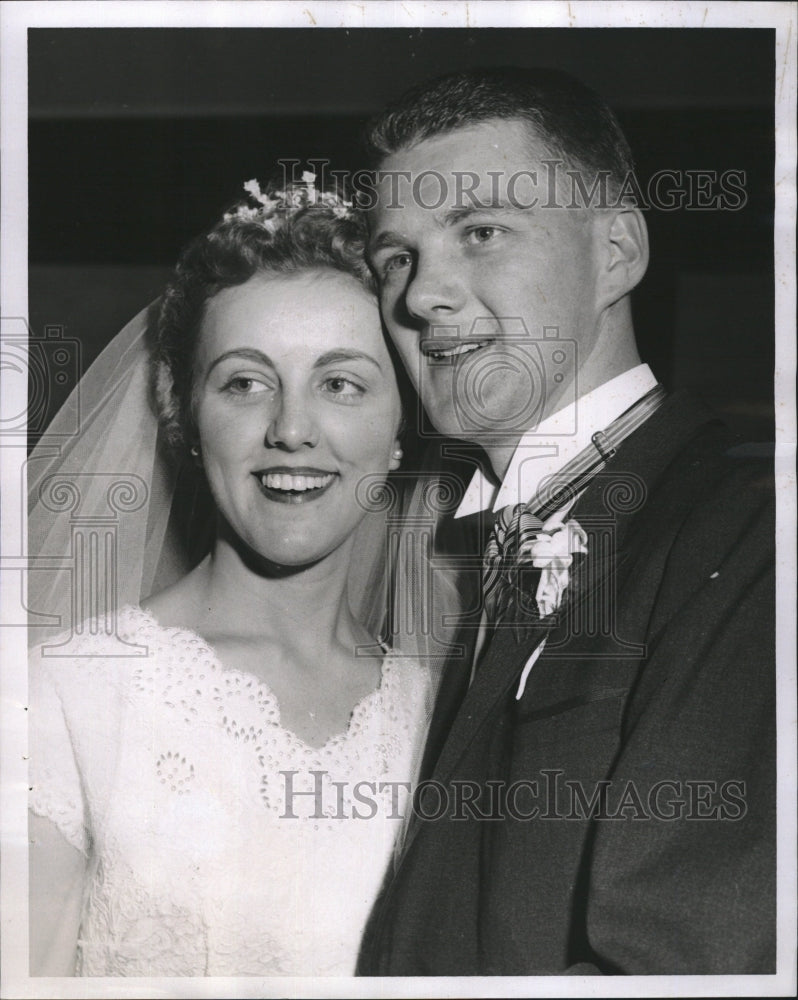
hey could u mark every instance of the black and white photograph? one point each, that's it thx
(397, 579)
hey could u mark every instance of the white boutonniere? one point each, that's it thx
(552, 551)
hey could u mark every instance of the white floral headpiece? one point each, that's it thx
(273, 210)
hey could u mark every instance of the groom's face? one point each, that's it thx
(487, 282)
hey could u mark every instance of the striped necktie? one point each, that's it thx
(506, 583)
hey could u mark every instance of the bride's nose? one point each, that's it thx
(293, 423)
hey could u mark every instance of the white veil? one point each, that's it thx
(113, 518)
(98, 477)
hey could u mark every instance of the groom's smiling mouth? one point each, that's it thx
(294, 485)
(440, 350)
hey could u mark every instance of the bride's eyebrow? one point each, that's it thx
(344, 354)
(246, 354)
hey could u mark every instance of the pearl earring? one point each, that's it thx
(195, 451)
(397, 454)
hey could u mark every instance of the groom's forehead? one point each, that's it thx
(455, 170)
(471, 146)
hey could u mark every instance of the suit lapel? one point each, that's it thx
(502, 663)
(461, 709)
(451, 693)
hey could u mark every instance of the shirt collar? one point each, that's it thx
(555, 441)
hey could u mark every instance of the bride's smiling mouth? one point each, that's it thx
(294, 485)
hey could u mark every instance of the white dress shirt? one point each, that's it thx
(546, 449)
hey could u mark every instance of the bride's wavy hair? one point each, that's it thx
(317, 236)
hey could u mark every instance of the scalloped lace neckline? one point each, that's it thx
(360, 709)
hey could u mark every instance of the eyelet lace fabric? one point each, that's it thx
(217, 841)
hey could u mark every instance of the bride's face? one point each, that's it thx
(295, 401)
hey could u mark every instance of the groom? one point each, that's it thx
(600, 772)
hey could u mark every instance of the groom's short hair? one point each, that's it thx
(574, 124)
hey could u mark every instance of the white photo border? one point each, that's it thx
(15, 19)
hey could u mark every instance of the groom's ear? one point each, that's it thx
(624, 252)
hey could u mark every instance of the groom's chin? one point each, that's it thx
(479, 437)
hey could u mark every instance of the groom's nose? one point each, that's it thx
(435, 290)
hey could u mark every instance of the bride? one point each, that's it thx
(227, 802)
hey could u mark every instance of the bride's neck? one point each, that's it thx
(254, 601)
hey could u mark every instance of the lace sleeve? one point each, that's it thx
(55, 786)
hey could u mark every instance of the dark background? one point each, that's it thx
(138, 138)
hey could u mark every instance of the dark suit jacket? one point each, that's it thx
(630, 793)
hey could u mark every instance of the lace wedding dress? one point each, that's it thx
(217, 842)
